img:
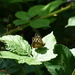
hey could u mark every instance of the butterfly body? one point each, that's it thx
(37, 41)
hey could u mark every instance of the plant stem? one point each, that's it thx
(50, 15)
(17, 29)
(58, 11)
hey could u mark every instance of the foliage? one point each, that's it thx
(20, 49)
(63, 61)
(52, 20)
(71, 22)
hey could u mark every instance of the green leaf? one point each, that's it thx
(19, 22)
(33, 11)
(22, 15)
(13, 65)
(16, 44)
(53, 5)
(64, 64)
(47, 9)
(49, 41)
(39, 23)
(2, 62)
(20, 59)
(71, 22)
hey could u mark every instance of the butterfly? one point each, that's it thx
(37, 41)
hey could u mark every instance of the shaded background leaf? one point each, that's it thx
(39, 23)
(47, 9)
(22, 15)
(35, 10)
(19, 22)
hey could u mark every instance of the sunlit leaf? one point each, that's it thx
(73, 51)
(20, 59)
(71, 22)
(16, 44)
(49, 41)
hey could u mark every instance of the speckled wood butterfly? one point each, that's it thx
(37, 41)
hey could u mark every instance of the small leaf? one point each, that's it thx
(71, 22)
(11, 65)
(22, 15)
(39, 23)
(33, 11)
(16, 44)
(20, 59)
(19, 22)
(49, 41)
(73, 51)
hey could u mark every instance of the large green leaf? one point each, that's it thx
(47, 52)
(33, 11)
(64, 64)
(47, 9)
(39, 23)
(16, 44)
(22, 15)
(2, 63)
(20, 59)
(71, 22)
(11, 65)
(19, 22)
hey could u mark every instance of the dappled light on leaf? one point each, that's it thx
(71, 22)
(16, 44)
(49, 41)
(20, 59)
